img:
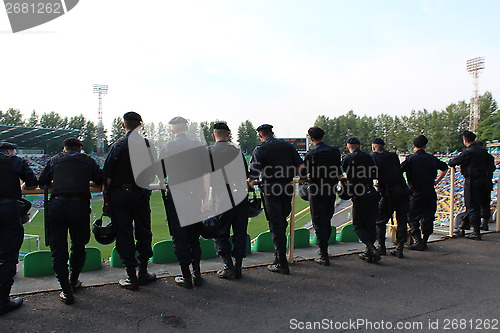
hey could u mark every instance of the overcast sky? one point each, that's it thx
(282, 62)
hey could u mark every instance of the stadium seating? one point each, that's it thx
(263, 242)
(37, 263)
(93, 261)
(347, 234)
(301, 238)
(331, 240)
(207, 248)
(163, 252)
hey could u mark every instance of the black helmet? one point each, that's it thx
(210, 227)
(24, 209)
(254, 206)
(103, 234)
(304, 191)
(344, 190)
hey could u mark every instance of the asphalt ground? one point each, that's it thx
(454, 285)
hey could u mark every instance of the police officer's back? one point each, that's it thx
(12, 170)
(70, 174)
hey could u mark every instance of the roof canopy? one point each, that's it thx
(31, 137)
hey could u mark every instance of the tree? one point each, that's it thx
(12, 117)
(33, 120)
(89, 137)
(247, 137)
(117, 131)
(207, 129)
(78, 123)
(51, 120)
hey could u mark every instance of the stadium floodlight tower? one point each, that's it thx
(100, 90)
(474, 67)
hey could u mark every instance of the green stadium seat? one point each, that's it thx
(115, 260)
(331, 240)
(93, 262)
(248, 248)
(163, 252)
(37, 263)
(347, 234)
(207, 248)
(301, 238)
(263, 243)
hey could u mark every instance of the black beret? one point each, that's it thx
(316, 133)
(378, 141)
(264, 126)
(72, 142)
(221, 126)
(178, 120)
(7, 145)
(469, 136)
(132, 116)
(420, 141)
(353, 141)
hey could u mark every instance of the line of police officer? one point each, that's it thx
(275, 162)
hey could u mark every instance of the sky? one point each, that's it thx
(282, 62)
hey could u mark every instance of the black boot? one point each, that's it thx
(398, 251)
(76, 284)
(381, 247)
(323, 257)
(197, 279)
(425, 239)
(228, 272)
(475, 235)
(460, 232)
(185, 280)
(144, 277)
(484, 224)
(131, 281)
(238, 264)
(281, 267)
(373, 251)
(419, 243)
(66, 294)
(7, 304)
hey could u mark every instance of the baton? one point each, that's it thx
(291, 244)
(46, 213)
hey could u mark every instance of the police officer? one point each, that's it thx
(69, 173)
(394, 196)
(277, 162)
(421, 170)
(12, 170)
(322, 166)
(477, 167)
(360, 171)
(128, 206)
(237, 217)
(185, 238)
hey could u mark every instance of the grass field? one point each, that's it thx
(158, 225)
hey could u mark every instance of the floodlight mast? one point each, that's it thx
(474, 67)
(101, 90)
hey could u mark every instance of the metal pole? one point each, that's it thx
(498, 205)
(452, 202)
(291, 243)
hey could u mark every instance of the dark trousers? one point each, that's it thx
(237, 218)
(322, 209)
(73, 215)
(278, 205)
(396, 198)
(186, 239)
(477, 193)
(423, 205)
(11, 239)
(364, 215)
(132, 221)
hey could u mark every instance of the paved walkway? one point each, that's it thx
(457, 279)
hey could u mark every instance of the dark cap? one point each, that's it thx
(178, 120)
(132, 116)
(420, 141)
(469, 136)
(353, 141)
(7, 145)
(316, 133)
(264, 126)
(221, 126)
(378, 141)
(72, 142)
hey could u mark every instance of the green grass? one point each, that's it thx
(158, 225)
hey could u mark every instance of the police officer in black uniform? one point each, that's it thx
(394, 196)
(237, 217)
(70, 174)
(128, 206)
(421, 170)
(477, 167)
(277, 162)
(185, 239)
(12, 170)
(322, 166)
(360, 171)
